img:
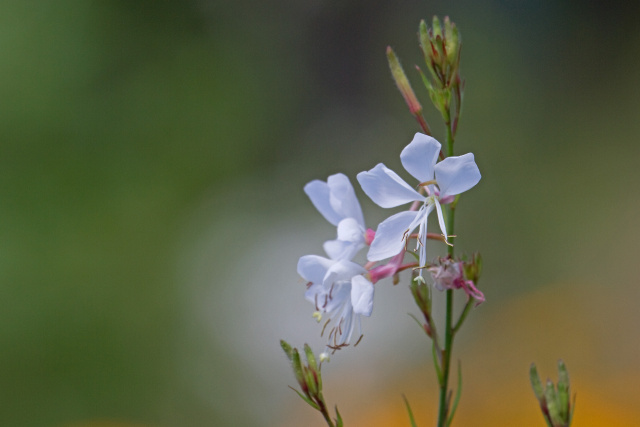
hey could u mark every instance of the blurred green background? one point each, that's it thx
(152, 159)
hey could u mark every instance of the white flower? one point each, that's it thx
(337, 202)
(339, 289)
(440, 181)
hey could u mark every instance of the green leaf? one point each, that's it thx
(339, 422)
(306, 399)
(409, 411)
(458, 394)
(418, 322)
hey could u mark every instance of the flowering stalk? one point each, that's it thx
(440, 45)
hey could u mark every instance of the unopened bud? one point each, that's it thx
(538, 390)
(441, 48)
(298, 371)
(403, 83)
(554, 400)
(287, 349)
(311, 359)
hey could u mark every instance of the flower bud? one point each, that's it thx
(403, 83)
(441, 48)
(538, 390)
(311, 359)
(298, 371)
(287, 349)
(554, 401)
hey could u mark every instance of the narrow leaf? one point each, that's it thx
(458, 394)
(306, 399)
(406, 402)
(339, 422)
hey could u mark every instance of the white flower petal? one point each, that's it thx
(391, 233)
(457, 174)
(319, 193)
(342, 250)
(420, 157)
(362, 295)
(349, 230)
(386, 188)
(343, 198)
(336, 249)
(342, 270)
(315, 293)
(443, 226)
(313, 268)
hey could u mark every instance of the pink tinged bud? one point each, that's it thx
(369, 235)
(387, 270)
(402, 82)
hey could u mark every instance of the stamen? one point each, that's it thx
(317, 315)
(446, 241)
(424, 184)
(325, 327)
(359, 339)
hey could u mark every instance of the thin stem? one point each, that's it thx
(443, 410)
(463, 316)
(325, 412)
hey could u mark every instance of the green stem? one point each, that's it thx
(463, 316)
(325, 412)
(443, 410)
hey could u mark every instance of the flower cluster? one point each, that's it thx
(343, 290)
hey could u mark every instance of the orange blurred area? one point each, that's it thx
(537, 327)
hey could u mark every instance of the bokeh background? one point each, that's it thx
(152, 159)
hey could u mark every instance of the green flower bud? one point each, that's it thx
(287, 348)
(403, 83)
(311, 359)
(535, 382)
(563, 392)
(298, 371)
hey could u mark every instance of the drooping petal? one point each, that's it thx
(420, 157)
(443, 226)
(386, 188)
(457, 174)
(343, 198)
(313, 268)
(362, 295)
(391, 234)
(473, 292)
(422, 221)
(342, 270)
(319, 193)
